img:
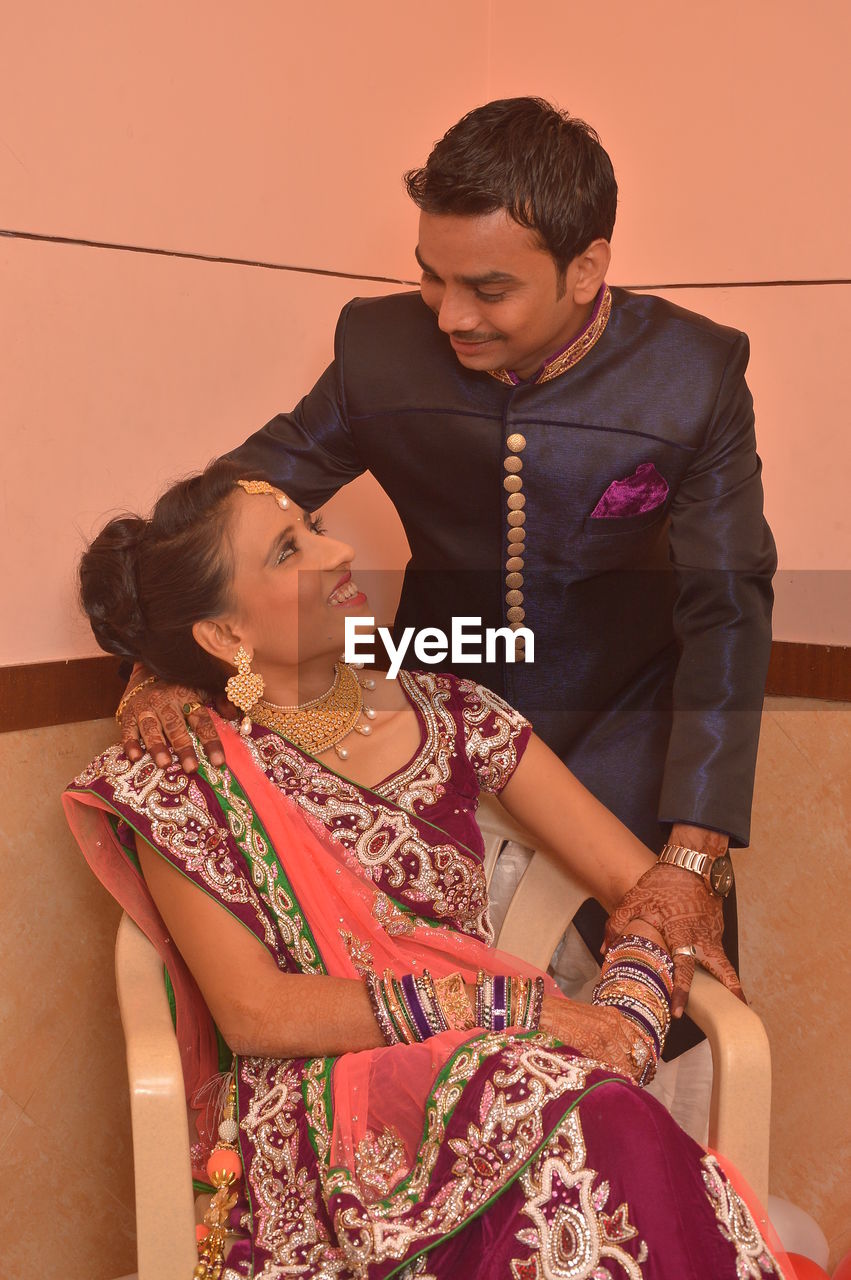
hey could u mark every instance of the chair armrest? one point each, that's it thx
(165, 1213)
(740, 1112)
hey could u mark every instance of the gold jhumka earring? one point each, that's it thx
(244, 689)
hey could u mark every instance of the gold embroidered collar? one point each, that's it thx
(572, 354)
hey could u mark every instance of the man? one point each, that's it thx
(571, 459)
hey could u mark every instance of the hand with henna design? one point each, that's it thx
(686, 913)
(161, 714)
(596, 1031)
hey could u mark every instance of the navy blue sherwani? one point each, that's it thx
(652, 630)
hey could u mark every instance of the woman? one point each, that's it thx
(322, 896)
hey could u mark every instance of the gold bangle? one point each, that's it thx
(455, 1004)
(123, 703)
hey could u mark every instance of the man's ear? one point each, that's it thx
(588, 270)
(218, 637)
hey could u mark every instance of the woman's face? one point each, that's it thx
(292, 586)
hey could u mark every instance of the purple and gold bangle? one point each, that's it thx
(499, 1009)
(397, 1008)
(413, 1006)
(430, 1003)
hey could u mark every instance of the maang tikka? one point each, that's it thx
(244, 689)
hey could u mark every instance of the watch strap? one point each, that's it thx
(677, 855)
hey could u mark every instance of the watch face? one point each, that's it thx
(721, 876)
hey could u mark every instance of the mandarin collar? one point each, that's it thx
(573, 352)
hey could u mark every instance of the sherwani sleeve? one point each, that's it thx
(724, 558)
(309, 453)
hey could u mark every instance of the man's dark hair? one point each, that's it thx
(547, 169)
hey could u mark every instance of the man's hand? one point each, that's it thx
(161, 713)
(597, 1031)
(687, 914)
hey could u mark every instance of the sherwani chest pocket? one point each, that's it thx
(615, 541)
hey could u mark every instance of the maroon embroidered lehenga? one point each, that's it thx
(487, 1155)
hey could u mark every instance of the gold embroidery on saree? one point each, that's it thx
(492, 753)
(508, 1128)
(447, 881)
(172, 802)
(422, 782)
(285, 1199)
(754, 1261)
(573, 1236)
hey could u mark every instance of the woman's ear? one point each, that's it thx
(218, 638)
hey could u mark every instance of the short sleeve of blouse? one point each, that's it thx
(495, 735)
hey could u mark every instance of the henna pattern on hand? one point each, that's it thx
(597, 1032)
(155, 719)
(686, 913)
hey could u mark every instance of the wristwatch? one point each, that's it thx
(717, 872)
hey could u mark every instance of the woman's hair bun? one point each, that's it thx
(109, 586)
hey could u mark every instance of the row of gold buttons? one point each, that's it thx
(516, 537)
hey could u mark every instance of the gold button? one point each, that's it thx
(515, 614)
(516, 443)
(516, 501)
(516, 548)
(514, 597)
(514, 580)
(513, 563)
(512, 464)
(516, 518)
(516, 535)
(512, 484)
(515, 626)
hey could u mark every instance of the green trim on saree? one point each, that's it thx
(318, 1101)
(267, 872)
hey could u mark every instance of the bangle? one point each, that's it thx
(503, 1002)
(454, 1002)
(131, 694)
(637, 980)
(385, 1023)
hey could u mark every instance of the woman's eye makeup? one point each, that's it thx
(313, 524)
(287, 549)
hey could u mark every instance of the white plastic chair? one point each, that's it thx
(543, 904)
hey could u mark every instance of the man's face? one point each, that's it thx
(496, 292)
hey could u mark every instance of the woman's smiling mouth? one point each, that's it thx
(346, 593)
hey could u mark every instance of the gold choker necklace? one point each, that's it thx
(323, 723)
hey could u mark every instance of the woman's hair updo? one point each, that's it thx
(144, 583)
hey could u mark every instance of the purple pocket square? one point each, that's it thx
(640, 492)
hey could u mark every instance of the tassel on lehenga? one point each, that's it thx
(224, 1169)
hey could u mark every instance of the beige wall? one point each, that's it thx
(63, 1092)
(280, 135)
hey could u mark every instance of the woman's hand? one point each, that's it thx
(687, 914)
(597, 1032)
(159, 713)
